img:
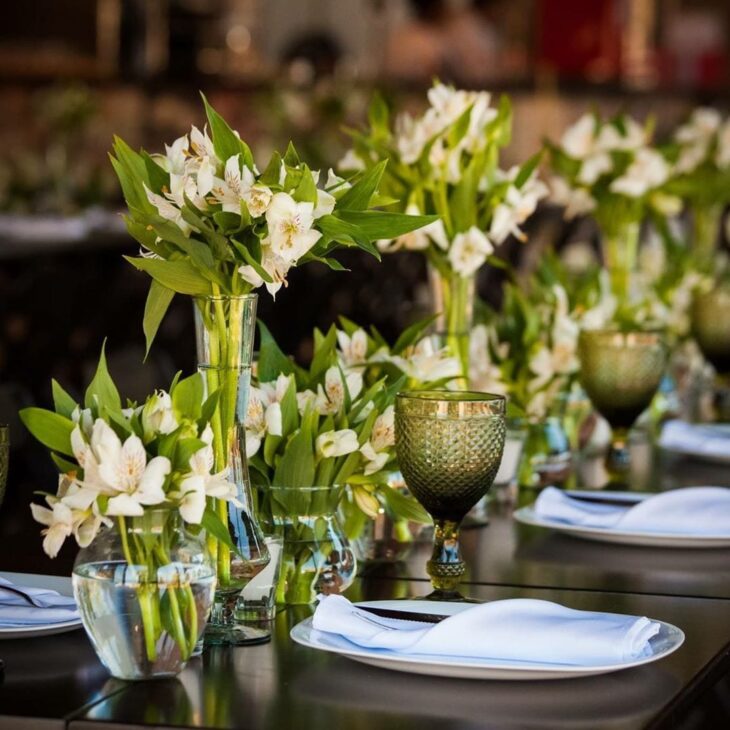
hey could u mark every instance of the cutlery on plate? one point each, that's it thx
(426, 618)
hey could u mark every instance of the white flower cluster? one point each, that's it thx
(120, 481)
(196, 174)
(593, 144)
(704, 138)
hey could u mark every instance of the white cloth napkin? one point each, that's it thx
(15, 611)
(688, 511)
(699, 438)
(518, 629)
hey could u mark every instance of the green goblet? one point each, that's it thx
(620, 372)
(449, 447)
(711, 330)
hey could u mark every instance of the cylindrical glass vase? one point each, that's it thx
(144, 588)
(225, 329)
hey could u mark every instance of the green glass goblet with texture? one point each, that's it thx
(621, 371)
(449, 447)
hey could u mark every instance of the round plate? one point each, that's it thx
(668, 640)
(527, 516)
(61, 584)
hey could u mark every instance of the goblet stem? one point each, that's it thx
(618, 460)
(446, 566)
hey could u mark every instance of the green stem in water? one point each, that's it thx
(622, 248)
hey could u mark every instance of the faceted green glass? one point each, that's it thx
(620, 372)
(711, 326)
(449, 447)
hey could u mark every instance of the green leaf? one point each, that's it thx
(158, 178)
(64, 466)
(272, 361)
(184, 449)
(214, 526)
(412, 334)
(324, 353)
(155, 308)
(296, 467)
(51, 429)
(404, 506)
(306, 190)
(358, 197)
(225, 141)
(208, 410)
(180, 276)
(379, 115)
(291, 158)
(251, 261)
(101, 389)
(270, 176)
(62, 401)
(377, 224)
(187, 397)
(527, 169)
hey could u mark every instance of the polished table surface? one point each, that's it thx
(57, 682)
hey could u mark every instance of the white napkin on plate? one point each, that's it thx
(688, 511)
(711, 439)
(15, 611)
(518, 629)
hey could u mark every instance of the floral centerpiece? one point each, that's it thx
(608, 168)
(320, 441)
(700, 150)
(132, 491)
(447, 162)
(213, 227)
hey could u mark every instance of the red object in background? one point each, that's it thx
(579, 38)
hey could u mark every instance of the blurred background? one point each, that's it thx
(75, 72)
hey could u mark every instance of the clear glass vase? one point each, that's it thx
(620, 253)
(317, 556)
(453, 303)
(706, 222)
(225, 330)
(546, 456)
(144, 588)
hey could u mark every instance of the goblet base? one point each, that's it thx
(449, 596)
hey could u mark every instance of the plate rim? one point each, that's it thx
(526, 516)
(401, 662)
(699, 455)
(10, 632)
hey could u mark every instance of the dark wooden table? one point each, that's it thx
(57, 682)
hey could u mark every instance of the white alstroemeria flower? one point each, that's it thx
(199, 483)
(469, 251)
(426, 363)
(602, 313)
(691, 156)
(579, 140)
(353, 349)
(273, 264)
(157, 415)
(593, 167)
(447, 160)
(239, 185)
(484, 375)
(83, 418)
(631, 137)
(332, 444)
(175, 157)
(351, 162)
(576, 201)
(331, 398)
(168, 210)
(722, 155)
(543, 366)
(410, 138)
(59, 525)
(201, 145)
(306, 399)
(418, 240)
(290, 227)
(335, 183)
(374, 461)
(263, 415)
(383, 433)
(702, 126)
(519, 204)
(325, 204)
(648, 170)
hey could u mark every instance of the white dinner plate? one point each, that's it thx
(527, 516)
(31, 580)
(718, 430)
(669, 639)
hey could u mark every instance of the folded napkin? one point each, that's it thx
(699, 438)
(16, 611)
(519, 629)
(688, 511)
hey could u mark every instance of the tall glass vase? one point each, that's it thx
(620, 250)
(225, 328)
(453, 303)
(706, 221)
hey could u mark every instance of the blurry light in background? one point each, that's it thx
(238, 39)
